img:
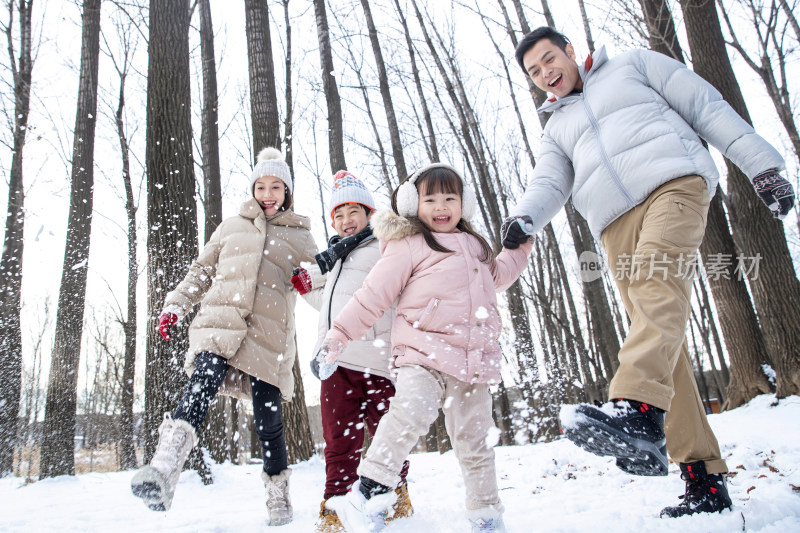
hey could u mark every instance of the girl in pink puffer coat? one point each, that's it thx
(444, 277)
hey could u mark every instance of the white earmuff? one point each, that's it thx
(408, 197)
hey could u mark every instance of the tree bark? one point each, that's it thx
(263, 95)
(776, 291)
(13, 243)
(57, 457)
(171, 208)
(335, 128)
(209, 138)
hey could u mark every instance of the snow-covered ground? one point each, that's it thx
(545, 487)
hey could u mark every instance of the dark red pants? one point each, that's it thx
(350, 402)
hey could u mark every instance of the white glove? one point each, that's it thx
(328, 356)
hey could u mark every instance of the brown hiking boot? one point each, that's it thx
(402, 507)
(328, 520)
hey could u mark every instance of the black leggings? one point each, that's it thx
(209, 372)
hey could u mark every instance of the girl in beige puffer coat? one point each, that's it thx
(241, 342)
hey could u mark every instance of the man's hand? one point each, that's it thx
(775, 192)
(301, 280)
(515, 231)
(166, 321)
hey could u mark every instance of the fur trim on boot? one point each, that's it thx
(279, 505)
(155, 483)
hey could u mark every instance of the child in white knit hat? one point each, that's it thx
(358, 393)
(241, 342)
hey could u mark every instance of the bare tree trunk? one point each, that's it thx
(383, 84)
(335, 129)
(747, 348)
(587, 29)
(11, 261)
(299, 442)
(263, 101)
(60, 408)
(288, 120)
(127, 452)
(209, 138)
(661, 29)
(171, 208)
(433, 149)
(776, 291)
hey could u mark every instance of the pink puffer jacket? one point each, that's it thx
(447, 315)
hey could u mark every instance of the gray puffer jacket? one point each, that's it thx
(634, 127)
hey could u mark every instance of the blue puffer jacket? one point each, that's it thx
(634, 128)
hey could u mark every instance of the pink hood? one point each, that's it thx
(447, 315)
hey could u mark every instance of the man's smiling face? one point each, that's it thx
(552, 69)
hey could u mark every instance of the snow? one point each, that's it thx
(553, 487)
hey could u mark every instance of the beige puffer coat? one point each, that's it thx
(242, 280)
(330, 292)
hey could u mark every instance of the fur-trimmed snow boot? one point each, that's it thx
(155, 483)
(279, 505)
(705, 493)
(486, 520)
(328, 521)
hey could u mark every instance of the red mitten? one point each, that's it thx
(165, 321)
(301, 280)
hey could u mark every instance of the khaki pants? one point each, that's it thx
(420, 392)
(651, 251)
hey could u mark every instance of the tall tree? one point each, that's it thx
(209, 137)
(58, 441)
(171, 206)
(383, 84)
(122, 65)
(747, 349)
(335, 128)
(776, 290)
(263, 101)
(11, 260)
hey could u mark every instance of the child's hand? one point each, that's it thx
(301, 280)
(327, 357)
(165, 321)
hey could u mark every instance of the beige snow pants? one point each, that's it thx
(651, 251)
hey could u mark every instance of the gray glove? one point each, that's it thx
(315, 367)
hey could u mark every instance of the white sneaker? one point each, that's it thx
(486, 520)
(279, 505)
(360, 515)
(155, 483)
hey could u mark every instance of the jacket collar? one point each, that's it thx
(586, 71)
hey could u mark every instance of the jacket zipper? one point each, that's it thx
(606, 159)
(430, 313)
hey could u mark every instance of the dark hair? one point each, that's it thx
(530, 40)
(444, 180)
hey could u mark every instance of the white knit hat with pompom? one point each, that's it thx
(270, 163)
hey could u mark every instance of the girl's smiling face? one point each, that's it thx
(439, 211)
(270, 193)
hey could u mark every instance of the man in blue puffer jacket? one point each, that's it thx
(624, 141)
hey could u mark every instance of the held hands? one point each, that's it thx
(327, 357)
(515, 231)
(301, 280)
(775, 192)
(166, 321)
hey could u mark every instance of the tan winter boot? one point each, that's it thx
(155, 483)
(279, 506)
(328, 520)
(402, 508)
